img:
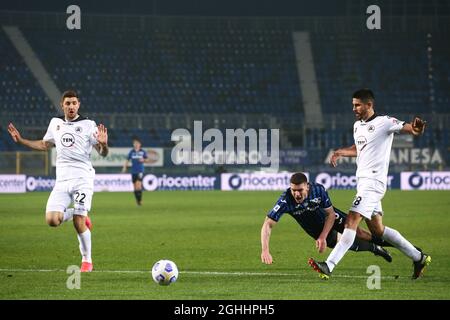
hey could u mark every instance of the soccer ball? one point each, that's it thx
(164, 272)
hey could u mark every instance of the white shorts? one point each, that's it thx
(367, 201)
(79, 191)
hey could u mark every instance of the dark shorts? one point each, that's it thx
(338, 227)
(137, 176)
(332, 238)
(339, 223)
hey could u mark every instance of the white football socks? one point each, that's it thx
(346, 241)
(397, 240)
(85, 245)
(68, 214)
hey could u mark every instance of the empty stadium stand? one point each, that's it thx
(229, 71)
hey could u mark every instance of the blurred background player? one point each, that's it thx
(138, 157)
(310, 205)
(373, 136)
(74, 136)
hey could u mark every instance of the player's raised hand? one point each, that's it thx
(15, 134)
(266, 258)
(418, 126)
(333, 160)
(102, 136)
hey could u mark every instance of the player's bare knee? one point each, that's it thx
(52, 223)
(53, 219)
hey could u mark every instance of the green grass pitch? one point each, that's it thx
(214, 238)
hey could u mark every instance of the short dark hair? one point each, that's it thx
(298, 178)
(135, 138)
(69, 94)
(365, 95)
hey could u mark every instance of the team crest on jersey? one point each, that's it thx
(371, 128)
(78, 129)
(67, 140)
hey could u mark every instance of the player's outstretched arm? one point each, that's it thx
(266, 230)
(39, 145)
(125, 165)
(102, 139)
(321, 242)
(416, 127)
(343, 152)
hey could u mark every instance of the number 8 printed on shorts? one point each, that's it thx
(357, 201)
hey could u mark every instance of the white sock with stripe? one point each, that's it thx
(346, 241)
(397, 240)
(85, 246)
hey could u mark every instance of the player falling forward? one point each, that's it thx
(310, 205)
(138, 157)
(74, 136)
(373, 135)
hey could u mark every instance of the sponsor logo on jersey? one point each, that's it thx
(361, 140)
(67, 140)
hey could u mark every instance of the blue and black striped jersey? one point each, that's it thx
(136, 157)
(309, 214)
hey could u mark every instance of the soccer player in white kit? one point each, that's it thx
(74, 136)
(373, 135)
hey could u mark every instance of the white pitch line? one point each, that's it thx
(218, 273)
